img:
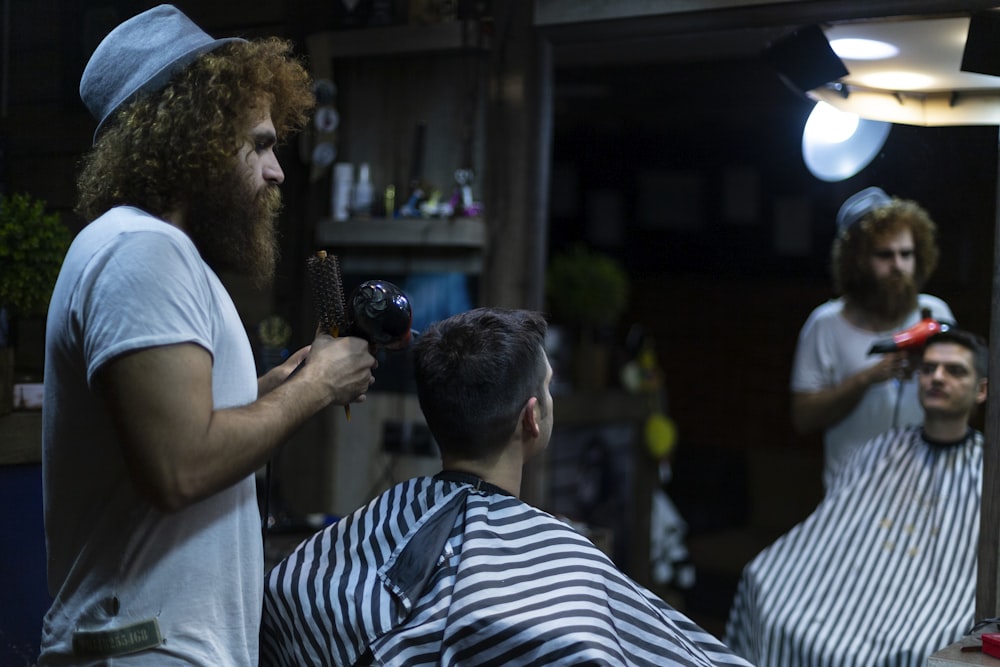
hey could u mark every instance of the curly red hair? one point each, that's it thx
(158, 149)
(852, 249)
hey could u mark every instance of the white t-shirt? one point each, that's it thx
(129, 282)
(831, 349)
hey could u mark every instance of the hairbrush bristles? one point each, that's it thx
(327, 289)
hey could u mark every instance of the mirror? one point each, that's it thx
(678, 150)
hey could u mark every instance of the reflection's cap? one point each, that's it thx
(859, 205)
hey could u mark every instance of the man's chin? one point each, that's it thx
(895, 301)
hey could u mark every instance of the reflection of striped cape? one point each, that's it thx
(883, 572)
(434, 573)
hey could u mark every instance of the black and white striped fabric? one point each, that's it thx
(882, 573)
(433, 572)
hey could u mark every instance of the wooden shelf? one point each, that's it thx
(460, 232)
(393, 40)
(411, 245)
(425, 88)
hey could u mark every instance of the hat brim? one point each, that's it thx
(162, 76)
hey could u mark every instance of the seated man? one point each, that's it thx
(883, 572)
(455, 569)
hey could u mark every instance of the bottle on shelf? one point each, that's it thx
(343, 184)
(364, 193)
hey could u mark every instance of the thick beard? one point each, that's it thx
(234, 227)
(891, 298)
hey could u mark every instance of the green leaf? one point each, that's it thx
(32, 246)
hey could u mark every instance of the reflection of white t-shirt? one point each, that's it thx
(131, 282)
(831, 349)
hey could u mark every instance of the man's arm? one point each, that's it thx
(179, 449)
(818, 410)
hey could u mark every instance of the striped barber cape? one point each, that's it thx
(881, 574)
(434, 572)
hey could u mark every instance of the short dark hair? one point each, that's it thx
(972, 342)
(474, 373)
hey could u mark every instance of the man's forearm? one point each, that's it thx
(178, 447)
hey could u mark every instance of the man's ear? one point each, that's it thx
(529, 420)
(981, 390)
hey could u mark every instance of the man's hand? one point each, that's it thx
(342, 365)
(892, 365)
(815, 411)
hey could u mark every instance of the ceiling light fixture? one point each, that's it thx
(837, 145)
(944, 108)
(924, 83)
(829, 125)
(897, 80)
(863, 49)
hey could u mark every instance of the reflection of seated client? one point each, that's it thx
(455, 569)
(883, 572)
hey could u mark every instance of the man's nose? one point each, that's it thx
(272, 170)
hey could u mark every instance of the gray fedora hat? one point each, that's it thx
(139, 56)
(859, 205)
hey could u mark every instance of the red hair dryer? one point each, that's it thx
(912, 338)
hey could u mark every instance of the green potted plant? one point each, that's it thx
(587, 291)
(32, 246)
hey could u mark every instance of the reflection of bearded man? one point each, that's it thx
(234, 226)
(892, 297)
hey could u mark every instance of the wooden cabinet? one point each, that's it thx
(393, 86)
(486, 97)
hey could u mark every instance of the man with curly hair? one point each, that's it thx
(883, 572)
(155, 421)
(884, 252)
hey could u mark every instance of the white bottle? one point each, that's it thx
(343, 180)
(364, 193)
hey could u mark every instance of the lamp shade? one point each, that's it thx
(830, 156)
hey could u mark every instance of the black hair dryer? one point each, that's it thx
(381, 314)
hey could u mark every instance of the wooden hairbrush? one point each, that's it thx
(327, 288)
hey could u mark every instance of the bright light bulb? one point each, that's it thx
(829, 125)
(863, 49)
(897, 80)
